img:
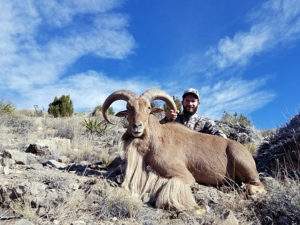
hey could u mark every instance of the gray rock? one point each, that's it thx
(55, 164)
(228, 218)
(37, 188)
(78, 222)
(18, 156)
(37, 150)
(56, 146)
(23, 222)
(241, 133)
(64, 159)
(7, 162)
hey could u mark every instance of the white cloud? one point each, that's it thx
(276, 22)
(86, 90)
(234, 95)
(41, 39)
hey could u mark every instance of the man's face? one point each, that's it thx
(190, 103)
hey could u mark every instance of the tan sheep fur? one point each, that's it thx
(163, 161)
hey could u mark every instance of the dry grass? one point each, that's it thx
(97, 202)
(282, 204)
(24, 208)
(252, 147)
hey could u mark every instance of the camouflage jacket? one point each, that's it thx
(199, 123)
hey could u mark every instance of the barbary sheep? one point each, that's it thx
(164, 160)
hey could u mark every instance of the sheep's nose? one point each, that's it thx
(137, 125)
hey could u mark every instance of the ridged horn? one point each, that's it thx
(154, 94)
(117, 95)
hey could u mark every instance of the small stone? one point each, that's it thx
(18, 157)
(23, 222)
(56, 222)
(6, 170)
(78, 222)
(54, 163)
(34, 149)
(64, 159)
(228, 218)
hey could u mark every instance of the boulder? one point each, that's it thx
(15, 156)
(56, 146)
(241, 133)
(55, 164)
(37, 150)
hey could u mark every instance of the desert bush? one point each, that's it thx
(118, 203)
(252, 147)
(98, 111)
(282, 203)
(18, 124)
(243, 120)
(6, 107)
(281, 150)
(94, 126)
(62, 107)
(267, 133)
(38, 112)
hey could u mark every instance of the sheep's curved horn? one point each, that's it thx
(117, 95)
(154, 94)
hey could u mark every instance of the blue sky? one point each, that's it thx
(242, 56)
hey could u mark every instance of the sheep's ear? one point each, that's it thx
(122, 113)
(156, 110)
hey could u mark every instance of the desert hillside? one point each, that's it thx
(63, 171)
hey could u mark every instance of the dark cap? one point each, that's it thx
(191, 91)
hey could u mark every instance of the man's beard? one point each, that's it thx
(188, 113)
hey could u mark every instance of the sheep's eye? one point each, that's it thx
(149, 107)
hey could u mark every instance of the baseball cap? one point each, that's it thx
(191, 91)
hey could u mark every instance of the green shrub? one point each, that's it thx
(98, 111)
(178, 105)
(62, 107)
(95, 126)
(242, 120)
(6, 107)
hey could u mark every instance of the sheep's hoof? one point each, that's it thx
(253, 189)
(200, 211)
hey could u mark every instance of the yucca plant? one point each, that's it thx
(6, 108)
(94, 126)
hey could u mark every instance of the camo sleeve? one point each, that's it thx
(210, 127)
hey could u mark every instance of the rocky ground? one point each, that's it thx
(53, 171)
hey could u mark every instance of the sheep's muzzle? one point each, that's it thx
(137, 129)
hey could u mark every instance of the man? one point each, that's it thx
(190, 118)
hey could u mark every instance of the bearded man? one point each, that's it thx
(190, 118)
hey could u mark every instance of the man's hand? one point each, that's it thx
(172, 115)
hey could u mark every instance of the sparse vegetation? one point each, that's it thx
(251, 147)
(94, 126)
(242, 120)
(281, 153)
(47, 195)
(98, 111)
(282, 204)
(38, 112)
(6, 107)
(61, 107)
